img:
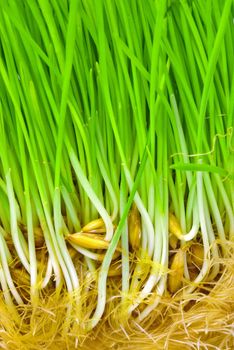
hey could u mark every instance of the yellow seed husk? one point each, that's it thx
(39, 237)
(94, 225)
(115, 255)
(175, 278)
(88, 240)
(174, 226)
(193, 272)
(72, 252)
(173, 241)
(197, 254)
(115, 270)
(98, 230)
(134, 227)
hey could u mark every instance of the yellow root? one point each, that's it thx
(201, 320)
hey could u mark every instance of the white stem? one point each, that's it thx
(92, 195)
(5, 288)
(160, 257)
(87, 253)
(48, 274)
(201, 210)
(227, 205)
(214, 207)
(7, 272)
(160, 290)
(144, 214)
(125, 245)
(194, 229)
(14, 227)
(64, 257)
(213, 245)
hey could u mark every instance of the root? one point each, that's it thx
(203, 319)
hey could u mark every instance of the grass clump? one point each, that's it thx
(116, 174)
